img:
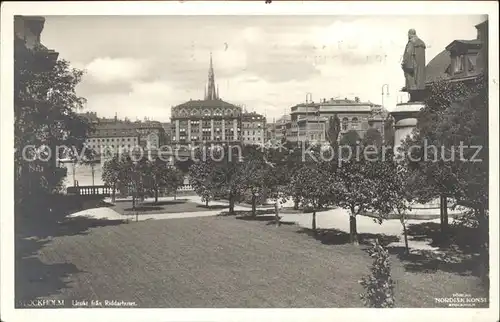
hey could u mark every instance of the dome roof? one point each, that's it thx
(436, 68)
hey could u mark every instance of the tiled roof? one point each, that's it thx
(470, 43)
(252, 116)
(205, 104)
(110, 134)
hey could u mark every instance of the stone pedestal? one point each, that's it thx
(405, 120)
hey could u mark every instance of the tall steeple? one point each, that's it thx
(211, 93)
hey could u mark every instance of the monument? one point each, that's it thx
(405, 114)
(413, 65)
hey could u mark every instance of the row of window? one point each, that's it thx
(206, 138)
(210, 129)
(251, 138)
(253, 132)
(98, 146)
(184, 113)
(251, 125)
(354, 123)
(113, 140)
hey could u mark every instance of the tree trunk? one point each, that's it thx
(444, 216)
(313, 225)
(206, 203)
(231, 204)
(405, 233)
(353, 233)
(277, 213)
(254, 208)
(156, 195)
(295, 204)
(133, 202)
(175, 194)
(113, 193)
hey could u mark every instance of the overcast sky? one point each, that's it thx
(140, 66)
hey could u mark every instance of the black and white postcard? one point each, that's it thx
(213, 159)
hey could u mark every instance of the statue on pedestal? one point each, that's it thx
(413, 65)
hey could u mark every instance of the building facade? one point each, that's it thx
(110, 135)
(282, 128)
(210, 120)
(167, 127)
(461, 60)
(109, 138)
(310, 121)
(253, 128)
(27, 31)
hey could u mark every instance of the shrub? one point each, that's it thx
(379, 286)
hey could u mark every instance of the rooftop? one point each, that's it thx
(205, 104)
(438, 68)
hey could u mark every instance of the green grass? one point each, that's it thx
(214, 262)
(171, 206)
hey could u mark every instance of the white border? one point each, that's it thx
(9, 9)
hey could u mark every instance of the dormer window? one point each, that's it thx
(472, 62)
(459, 64)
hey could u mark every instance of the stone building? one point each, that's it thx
(111, 138)
(210, 120)
(27, 31)
(167, 127)
(151, 133)
(253, 128)
(112, 134)
(309, 121)
(281, 128)
(461, 60)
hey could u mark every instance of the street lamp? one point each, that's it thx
(308, 100)
(386, 86)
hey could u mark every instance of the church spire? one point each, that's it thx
(211, 93)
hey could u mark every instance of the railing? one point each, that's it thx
(90, 190)
(185, 187)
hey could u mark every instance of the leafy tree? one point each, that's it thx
(229, 176)
(175, 180)
(111, 174)
(314, 183)
(255, 170)
(157, 175)
(133, 175)
(393, 195)
(353, 187)
(379, 286)
(202, 181)
(455, 114)
(219, 173)
(350, 138)
(389, 131)
(184, 165)
(373, 137)
(277, 175)
(333, 131)
(45, 105)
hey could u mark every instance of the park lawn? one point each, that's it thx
(181, 205)
(213, 262)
